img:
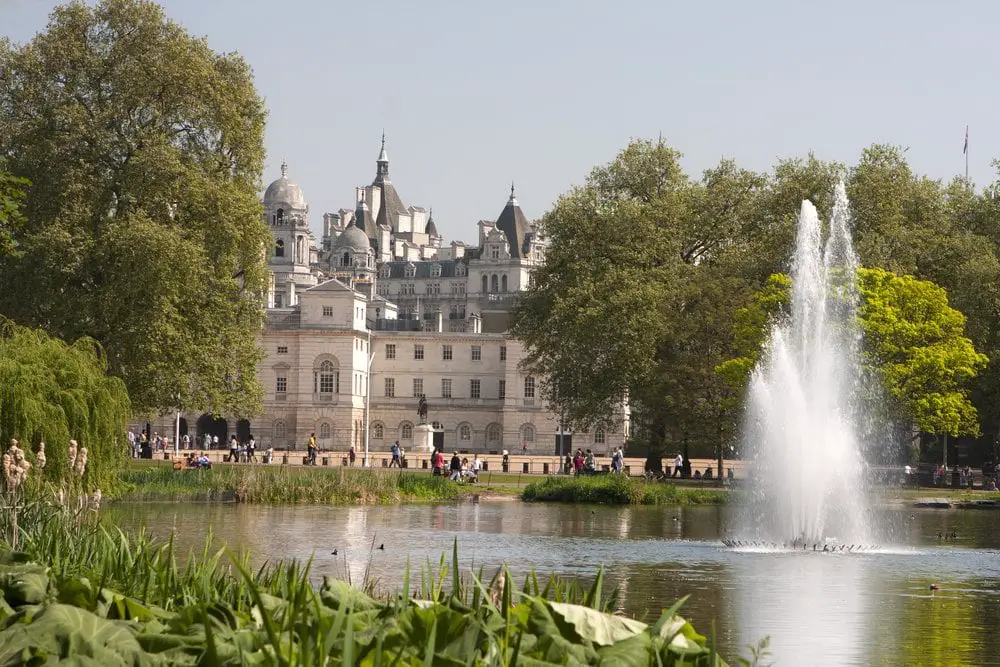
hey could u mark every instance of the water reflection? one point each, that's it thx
(819, 609)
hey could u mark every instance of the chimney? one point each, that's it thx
(326, 227)
(292, 300)
(439, 320)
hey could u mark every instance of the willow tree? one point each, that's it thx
(144, 149)
(52, 392)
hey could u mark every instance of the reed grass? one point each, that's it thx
(619, 490)
(284, 485)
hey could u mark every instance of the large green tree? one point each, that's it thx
(914, 343)
(144, 149)
(12, 193)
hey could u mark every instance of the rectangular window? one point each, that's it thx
(446, 388)
(503, 353)
(502, 390)
(477, 352)
(446, 352)
(390, 387)
(474, 386)
(282, 349)
(327, 311)
(418, 352)
(281, 384)
(418, 387)
(390, 351)
(277, 301)
(529, 387)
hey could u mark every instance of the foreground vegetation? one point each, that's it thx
(81, 591)
(618, 490)
(275, 484)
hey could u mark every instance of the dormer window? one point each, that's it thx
(411, 270)
(436, 271)
(460, 269)
(495, 252)
(383, 271)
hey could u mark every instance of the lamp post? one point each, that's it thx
(177, 428)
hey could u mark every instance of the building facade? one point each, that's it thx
(381, 313)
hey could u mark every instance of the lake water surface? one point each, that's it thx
(818, 609)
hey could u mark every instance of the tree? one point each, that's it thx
(144, 149)
(914, 342)
(51, 392)
(11, 199)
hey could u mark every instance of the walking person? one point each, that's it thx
(351, 456)
(234, 450)
(312, 449)
(456, 468)
(251, 450)
(396, 460)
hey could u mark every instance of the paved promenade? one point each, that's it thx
(529, 464)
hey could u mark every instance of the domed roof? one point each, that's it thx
(284, 191)
(352, 238)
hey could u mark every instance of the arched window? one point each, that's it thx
(326, 378)
(279, 248)
(599, 436)
(278, 430)
(406, 431)
(465, 432)
(527, 433)
(378, 431)
(493, 433)
(486, 285)
(324, 431)
(503, 283)
(494, 286)
(279, 216)
(346, 259)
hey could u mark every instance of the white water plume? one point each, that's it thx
(803, 414)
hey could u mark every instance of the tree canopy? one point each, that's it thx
(143, 229)
(12, 193)
(650, 272)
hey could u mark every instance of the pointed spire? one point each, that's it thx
(284, 169)
(382, 155)
(513, 200)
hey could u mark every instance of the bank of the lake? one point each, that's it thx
(285, 485)
(619, 490)
(72, 588)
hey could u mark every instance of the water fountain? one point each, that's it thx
(803, 405)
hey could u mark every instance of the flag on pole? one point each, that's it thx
(965, 148)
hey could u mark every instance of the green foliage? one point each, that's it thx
(103, 598)
(913, 341)
(52, 392)
(619, 490)
(143, 228)
(284, 485)
(916, 342)
(12, 193)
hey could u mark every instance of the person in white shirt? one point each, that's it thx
(678, 465)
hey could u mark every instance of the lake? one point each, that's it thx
(818, 609)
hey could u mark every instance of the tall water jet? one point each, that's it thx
(803, 411)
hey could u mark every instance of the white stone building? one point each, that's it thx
(383, 305)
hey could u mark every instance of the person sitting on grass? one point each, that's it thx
(203, 461)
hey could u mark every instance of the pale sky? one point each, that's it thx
(473, 95)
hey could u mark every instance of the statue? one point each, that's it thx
(422, 410)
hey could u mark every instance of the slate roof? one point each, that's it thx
(397, 268)
(515, 225)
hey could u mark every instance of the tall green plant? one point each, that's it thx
(53, 392)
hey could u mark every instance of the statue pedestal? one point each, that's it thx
(423, 438)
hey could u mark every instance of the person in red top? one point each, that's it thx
(578, 461)
(437, 461)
